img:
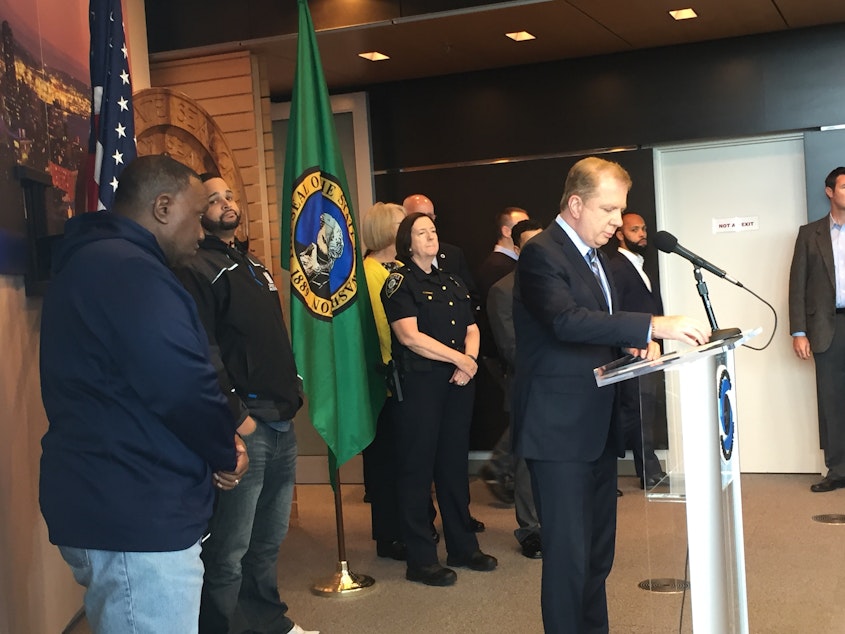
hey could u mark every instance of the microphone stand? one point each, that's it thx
(717, 333)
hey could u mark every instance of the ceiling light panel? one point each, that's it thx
(683, 14)
(374, 56)
(520, 36)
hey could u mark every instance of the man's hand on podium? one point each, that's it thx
(681, 328)
(651, 352)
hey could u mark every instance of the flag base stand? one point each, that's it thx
(343, 583)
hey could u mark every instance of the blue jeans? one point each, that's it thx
(247, 529)
(139, 593)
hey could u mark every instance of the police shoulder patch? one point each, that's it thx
(393, 282)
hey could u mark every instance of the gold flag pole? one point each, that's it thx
(343, 582)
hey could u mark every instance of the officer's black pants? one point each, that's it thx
(433, 424)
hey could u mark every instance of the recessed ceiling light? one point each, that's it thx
(520, 36)
(373, 56)
(683, 14)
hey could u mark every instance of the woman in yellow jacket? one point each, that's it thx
(378, 230)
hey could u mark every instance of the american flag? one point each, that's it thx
(112, 142)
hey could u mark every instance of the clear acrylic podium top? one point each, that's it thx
(685, 400)
(629, 367)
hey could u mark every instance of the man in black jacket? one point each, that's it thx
(638, 397)
(239, 306)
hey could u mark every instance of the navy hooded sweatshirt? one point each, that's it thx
(137, 422)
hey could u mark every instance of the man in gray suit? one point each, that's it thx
(817, 321)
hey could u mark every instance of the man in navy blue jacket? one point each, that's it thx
(138, 427)
(567, 322)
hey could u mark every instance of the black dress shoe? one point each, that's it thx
(391, 549)
(433, 575)
(486, 473)
(532, 547)
(828, 484)
(476, 526)
(476, 561)
(652, 480)
(500, 491)
(619, 493)
(500, 485)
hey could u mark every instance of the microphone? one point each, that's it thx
(668, 243)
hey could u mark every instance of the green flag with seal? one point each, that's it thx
(332, 327)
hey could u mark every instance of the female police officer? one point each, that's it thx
(435, 344)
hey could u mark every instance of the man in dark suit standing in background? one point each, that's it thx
(817, 321)
(502, 259)
(638, 397)
(500, 316)
(565, 426)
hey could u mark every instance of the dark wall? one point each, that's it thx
(466, 199)
(723, 89)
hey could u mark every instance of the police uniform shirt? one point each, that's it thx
(439, 300)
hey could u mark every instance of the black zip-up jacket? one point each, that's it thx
(239, 306)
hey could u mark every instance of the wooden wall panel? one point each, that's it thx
(224, 85)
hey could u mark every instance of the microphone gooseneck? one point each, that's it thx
(668, 243)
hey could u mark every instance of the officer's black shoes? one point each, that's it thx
(532, 547)
(476, 561)
(476, 526)
(433, 575)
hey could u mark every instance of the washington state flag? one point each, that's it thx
(332, 327)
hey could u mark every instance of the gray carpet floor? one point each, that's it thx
(795, 567)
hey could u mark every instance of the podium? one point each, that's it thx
(705, 475)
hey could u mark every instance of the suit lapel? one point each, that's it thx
(581, 268)
(825, 247)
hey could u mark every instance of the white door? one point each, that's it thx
(762, 179)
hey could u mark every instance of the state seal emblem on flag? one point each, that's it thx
(323, 245)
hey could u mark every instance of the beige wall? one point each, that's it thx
(37, 590)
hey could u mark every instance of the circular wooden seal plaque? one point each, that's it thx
(170, 122)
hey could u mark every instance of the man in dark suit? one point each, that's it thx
(498, 471)
(565, 426)
(817, 321)
(502, 259)
(500, 316)
(638, 397)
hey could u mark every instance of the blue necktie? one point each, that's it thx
(593, 260)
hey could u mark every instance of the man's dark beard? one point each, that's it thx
(215, 226)
(633, 247)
